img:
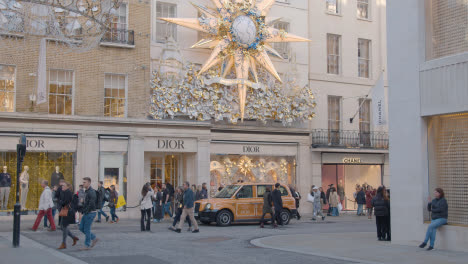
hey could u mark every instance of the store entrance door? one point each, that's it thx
(166, 168)
(345, 178)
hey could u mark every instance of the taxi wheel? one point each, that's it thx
(224, 218)
(285, 216)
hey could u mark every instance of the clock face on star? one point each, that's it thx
(244, 31)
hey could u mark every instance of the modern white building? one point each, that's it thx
(428, 99)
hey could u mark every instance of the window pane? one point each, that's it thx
(52, 104)
(68, 105)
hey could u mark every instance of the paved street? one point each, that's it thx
(337, 240)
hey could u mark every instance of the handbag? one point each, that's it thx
(310, 198)
(64, 211)
(340, 207)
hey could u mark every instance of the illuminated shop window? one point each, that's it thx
(7, 88)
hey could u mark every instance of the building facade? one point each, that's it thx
(106, 138)
(428, 65)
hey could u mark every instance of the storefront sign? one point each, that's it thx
(49, 144)
(257, 149)
(38, 143)
(171, 144)
(352, 160)
(251, 149)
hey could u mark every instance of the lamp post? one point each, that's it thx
(20, 153)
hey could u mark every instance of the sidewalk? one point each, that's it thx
(31, 251)
(361, 247)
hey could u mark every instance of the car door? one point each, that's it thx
(245, 209)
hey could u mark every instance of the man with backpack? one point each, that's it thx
(90, 207)
(102, 199)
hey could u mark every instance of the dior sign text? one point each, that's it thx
(251, 149)
(170, 144)
(35, 143)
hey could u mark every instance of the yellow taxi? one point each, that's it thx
(242, 203)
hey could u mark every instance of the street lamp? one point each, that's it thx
(20, 153)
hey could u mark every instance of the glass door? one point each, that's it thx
(165, 169)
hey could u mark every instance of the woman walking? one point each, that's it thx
(113, 198)
(333, 201)
(370, 193)
(439, 209)
(317, 203)
(381, 205)
(146, 205)
(179, 205)
(65, 201)
(267, 207)
(157, 205)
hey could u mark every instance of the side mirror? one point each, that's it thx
(238, 195)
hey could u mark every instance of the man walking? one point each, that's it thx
(278, 204)
(166, 201)
(101, 201)
(45, 207)
(89, 213)
(317, 204)
(267, 203)
(188, 201)
(297, 197)
(361, 201)
(204, 192)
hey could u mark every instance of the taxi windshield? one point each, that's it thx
(228, 191)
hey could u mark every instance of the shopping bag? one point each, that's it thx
(340, 207)
(310, 198)
(120, 202)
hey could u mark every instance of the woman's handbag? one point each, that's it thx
(310, 198)
(64, 211)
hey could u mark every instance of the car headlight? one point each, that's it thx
(208, 206)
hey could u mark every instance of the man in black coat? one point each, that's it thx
(277, 203)
(328, 198)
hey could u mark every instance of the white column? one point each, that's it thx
(304, 175)
(135, 173)
(87, 164)
(203, 162)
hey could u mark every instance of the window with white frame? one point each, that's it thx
(61, 92)
(364, 57)
(334, 119)
(115, 91)
(282, 47)
(119, 24)
(7, 88)
(363, 9)
(333, 6)
(364, 121)
(333, 53)
(165, 29)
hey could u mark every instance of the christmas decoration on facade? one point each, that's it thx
(240, 39)
(78, 24)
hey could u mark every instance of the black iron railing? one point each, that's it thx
(349, 139)
(119, 36)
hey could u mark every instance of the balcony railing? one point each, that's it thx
(324, 138)
(119, 36)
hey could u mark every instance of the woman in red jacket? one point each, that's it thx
(370, 193)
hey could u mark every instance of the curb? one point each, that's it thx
(258, 242)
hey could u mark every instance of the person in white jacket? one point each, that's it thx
(45, 207)
(146, 206)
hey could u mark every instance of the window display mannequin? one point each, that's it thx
(5, 185)
(56, 177)
(24, 180)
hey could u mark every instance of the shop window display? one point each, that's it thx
(346, 178)
(113, 171)
(228, 169)
(37, 166)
